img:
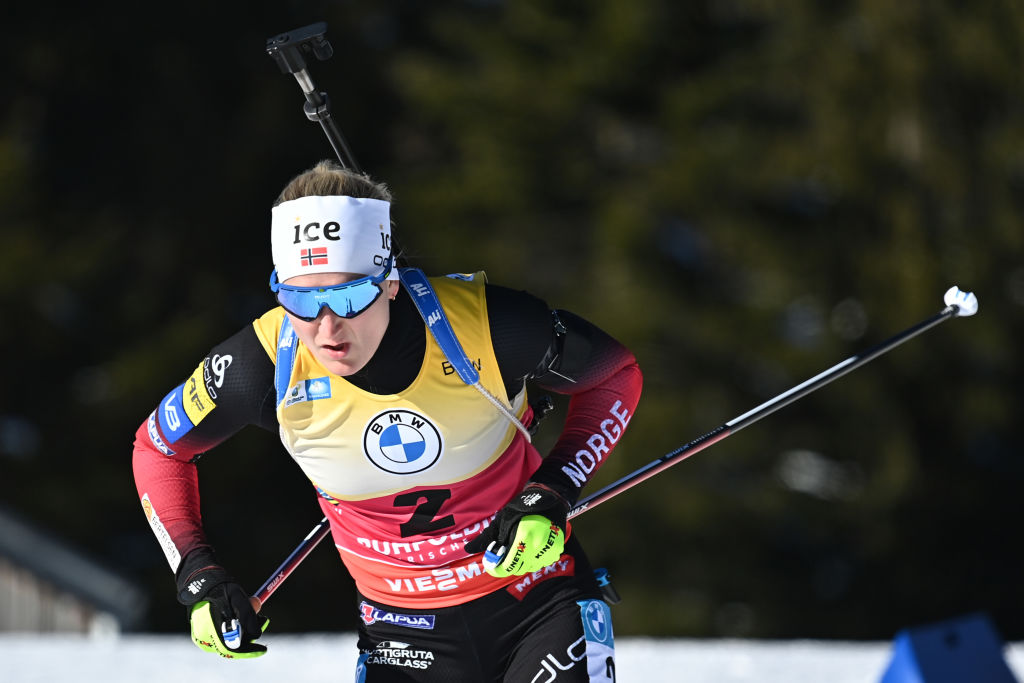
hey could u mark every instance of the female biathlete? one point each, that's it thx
(450, 522)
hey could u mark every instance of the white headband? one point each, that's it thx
(334, 234)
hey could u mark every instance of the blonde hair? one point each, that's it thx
(329, 178)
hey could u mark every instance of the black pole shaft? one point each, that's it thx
(750, 417)
(318, 108)
(300, 553)
(341, 148)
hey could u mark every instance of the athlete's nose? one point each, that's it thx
(329, 321)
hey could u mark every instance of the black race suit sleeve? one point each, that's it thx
(564, 353)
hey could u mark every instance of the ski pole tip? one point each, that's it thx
(965, 302)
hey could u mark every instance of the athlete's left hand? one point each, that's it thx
(527, 534)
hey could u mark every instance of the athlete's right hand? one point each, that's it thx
(222, 619)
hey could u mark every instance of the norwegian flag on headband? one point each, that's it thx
(317, 256)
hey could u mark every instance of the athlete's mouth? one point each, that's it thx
(336, 350)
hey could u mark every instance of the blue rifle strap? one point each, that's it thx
(418, 286)
(285, 358)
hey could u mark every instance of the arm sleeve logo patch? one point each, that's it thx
(198, 402)
(173, 419)
(154, 435)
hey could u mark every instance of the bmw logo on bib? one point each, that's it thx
(402, 442)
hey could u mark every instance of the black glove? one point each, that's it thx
(531, 527)
(222, 618)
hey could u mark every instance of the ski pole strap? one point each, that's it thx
(429, 306)
(285, 358)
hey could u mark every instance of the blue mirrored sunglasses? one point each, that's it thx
(347, 300)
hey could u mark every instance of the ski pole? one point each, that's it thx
(304, 548)
(958, 304)
(289, 50)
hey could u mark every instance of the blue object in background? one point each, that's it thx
(955, 651)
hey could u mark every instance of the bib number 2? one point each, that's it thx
(424, 518)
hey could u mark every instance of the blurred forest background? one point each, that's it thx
(745, 192)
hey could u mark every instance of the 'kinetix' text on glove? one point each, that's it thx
(527, 534)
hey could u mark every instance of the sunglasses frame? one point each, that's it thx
(276, 286)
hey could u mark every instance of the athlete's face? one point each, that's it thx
(343, 345)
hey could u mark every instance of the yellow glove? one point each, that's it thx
(527, 534)
(226, 641)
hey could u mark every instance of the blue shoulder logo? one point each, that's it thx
(173, 420)
(308, 390)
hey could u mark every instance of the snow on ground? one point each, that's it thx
(31, 658)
